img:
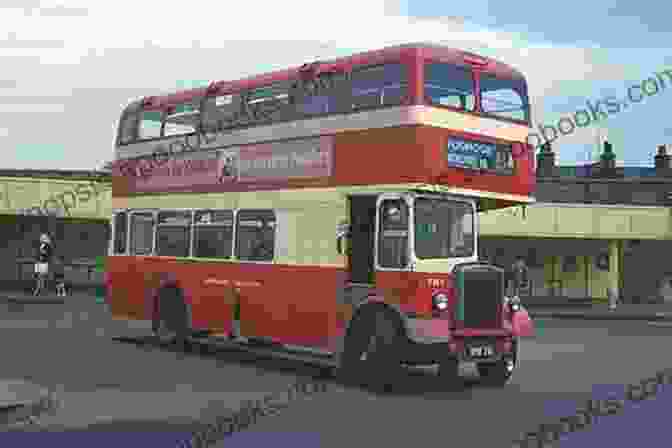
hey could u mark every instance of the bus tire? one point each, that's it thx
(449, 373)
(498, 374)
(171, 321)
(371, 355)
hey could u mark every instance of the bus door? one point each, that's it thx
(392, 244)
(393, 250)
(362, 239)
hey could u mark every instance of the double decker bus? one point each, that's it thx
(328, 213)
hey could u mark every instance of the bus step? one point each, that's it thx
(200, 334)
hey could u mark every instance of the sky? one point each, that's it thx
(67, 68)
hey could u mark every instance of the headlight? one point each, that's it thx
(440, 301)
(514, 304)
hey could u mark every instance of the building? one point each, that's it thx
(593, 228)
(73, 206)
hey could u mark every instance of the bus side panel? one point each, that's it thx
(127, 299)
(209, 291)
(312, 301)
(290, 304)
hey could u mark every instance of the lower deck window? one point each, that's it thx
(173, 234)
(256, 235)
(213, 233)
(142, 233)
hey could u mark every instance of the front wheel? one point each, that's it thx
(449, 373)
(498, 373)
(371, 352)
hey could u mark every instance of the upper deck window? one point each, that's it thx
(504, 98)
(181, 120)
(264, 104)
(449, 85)
(381, 85)
(128, 127)
(150, 125)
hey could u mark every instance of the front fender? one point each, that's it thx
(521, 323)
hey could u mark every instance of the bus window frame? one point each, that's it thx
(474, 83)
(474, 222)
(528, 109)
(275, 235)
(166, 114)
(410, 246)
(157, 226)
(133, 109)
(113, 243)
(133, 212)
(407, 69)
(195, 224)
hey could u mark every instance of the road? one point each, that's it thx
(152, 396)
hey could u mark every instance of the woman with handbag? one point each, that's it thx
(44, 255)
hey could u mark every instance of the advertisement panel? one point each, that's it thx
(250, 165)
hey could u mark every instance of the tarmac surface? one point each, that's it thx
(150, 396)
(17, 396)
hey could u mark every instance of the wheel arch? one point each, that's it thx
(169, 282)
(372, 304)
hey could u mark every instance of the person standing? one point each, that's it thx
(44, 254)
(59, 277)
(519, 276)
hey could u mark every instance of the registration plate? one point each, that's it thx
(481, 351)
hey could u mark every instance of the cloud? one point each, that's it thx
(63, 11)
(127, 49)
(11, 42)
(31, 108)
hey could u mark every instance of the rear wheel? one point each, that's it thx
(171, 321)
(371, 353)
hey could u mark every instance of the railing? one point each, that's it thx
(647, 192)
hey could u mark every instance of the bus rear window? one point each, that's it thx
(449, 85)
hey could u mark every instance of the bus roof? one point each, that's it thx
(418, 50)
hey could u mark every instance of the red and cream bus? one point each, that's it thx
(328, 212)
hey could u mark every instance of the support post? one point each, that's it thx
(614, 273)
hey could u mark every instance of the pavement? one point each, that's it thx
(22, 401)
(556, 308)
(626, 311)
(23, 297)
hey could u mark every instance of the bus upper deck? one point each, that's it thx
(417, 113)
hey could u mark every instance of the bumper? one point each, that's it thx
(430, 341)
